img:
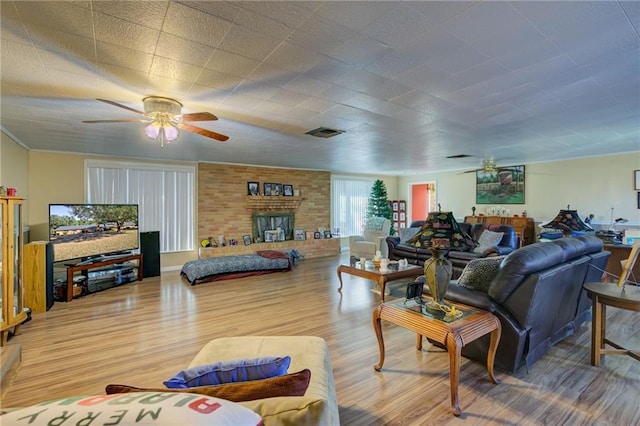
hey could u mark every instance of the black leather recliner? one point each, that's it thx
(538, 297)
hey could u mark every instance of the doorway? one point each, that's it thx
(423, 199)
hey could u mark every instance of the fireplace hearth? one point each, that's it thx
(272, 221)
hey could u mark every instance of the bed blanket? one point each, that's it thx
(216, 268)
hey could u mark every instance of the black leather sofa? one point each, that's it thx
(538, 297)
(459, 259)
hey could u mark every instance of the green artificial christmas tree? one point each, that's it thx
(378, 204)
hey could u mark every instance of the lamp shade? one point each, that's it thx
(442, 231)
(568, 221)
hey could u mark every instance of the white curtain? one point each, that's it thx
(164, 194)
(349, 197)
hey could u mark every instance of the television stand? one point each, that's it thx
(84, 267)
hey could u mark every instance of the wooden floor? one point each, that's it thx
(142, 333)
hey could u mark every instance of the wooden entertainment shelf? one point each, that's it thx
(75, 268)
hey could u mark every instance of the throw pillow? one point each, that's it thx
(488, 239)
(407, 233)
(479, 273)
(157, 408)
(239, 370)
(272, 254)
(294, 384)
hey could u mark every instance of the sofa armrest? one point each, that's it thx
(353, 238)
(497, 251)
(381, 245)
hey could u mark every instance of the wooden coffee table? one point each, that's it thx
(603, 294)
(474, 323)
(371, 273)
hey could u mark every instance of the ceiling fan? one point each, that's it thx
(164, 119)
(490, 165)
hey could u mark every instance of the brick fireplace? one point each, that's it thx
(224, 208)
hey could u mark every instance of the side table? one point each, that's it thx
(603, 294)
(473, 324)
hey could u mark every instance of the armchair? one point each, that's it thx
(376, 229)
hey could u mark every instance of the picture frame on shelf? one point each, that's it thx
(317, 235)
(276, 189)
(298, 234)
(327, 234)
(267, 188)
(253, 188)
(636, 180)
(287, 190)
(309, 235)
(269, 236)
(246, 239)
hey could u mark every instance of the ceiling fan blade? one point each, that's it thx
(124, 120)
(204, 132)
(121, 106)
(199, 116)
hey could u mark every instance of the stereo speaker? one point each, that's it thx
(150, 250)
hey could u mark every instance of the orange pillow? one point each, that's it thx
(294, 384)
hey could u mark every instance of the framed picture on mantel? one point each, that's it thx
(504, 185)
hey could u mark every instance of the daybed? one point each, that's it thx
(226, 267)
(536, 294)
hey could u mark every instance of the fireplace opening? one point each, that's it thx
(273, 226)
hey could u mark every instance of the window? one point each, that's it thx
(164, 194)
(349, 198)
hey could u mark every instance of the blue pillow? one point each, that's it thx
(237, 370)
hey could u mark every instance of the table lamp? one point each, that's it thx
(568, 221)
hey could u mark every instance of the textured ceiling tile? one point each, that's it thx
(126, 34)
(231, 63)
(272, 75)
(181, 50)
(58, 15)
(147, 13)
(294, 58)
(307, 85)
(227, 11)
(400, 24)
(174, 70)
(262, 25)
(217, 80)
(194, 25)
(359, 51)
(351, 15)
(316, 104)
(320, 35)
(374, 85)
(290, 13)
(246, 42)
(63, 43)
(122, 57)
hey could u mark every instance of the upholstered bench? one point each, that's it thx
(225, 267)
(318, 406)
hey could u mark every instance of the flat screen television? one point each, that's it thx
(92, 231)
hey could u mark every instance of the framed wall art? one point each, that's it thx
(636, 180)
(267, 188)
(287, 190)
(504, 185)
(253, 188)
(298, 234)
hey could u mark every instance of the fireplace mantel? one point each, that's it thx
(278, 202)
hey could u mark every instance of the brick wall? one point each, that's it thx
(222, 198)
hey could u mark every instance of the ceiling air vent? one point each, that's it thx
(324, 132)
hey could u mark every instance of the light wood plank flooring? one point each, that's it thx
(143, 332)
